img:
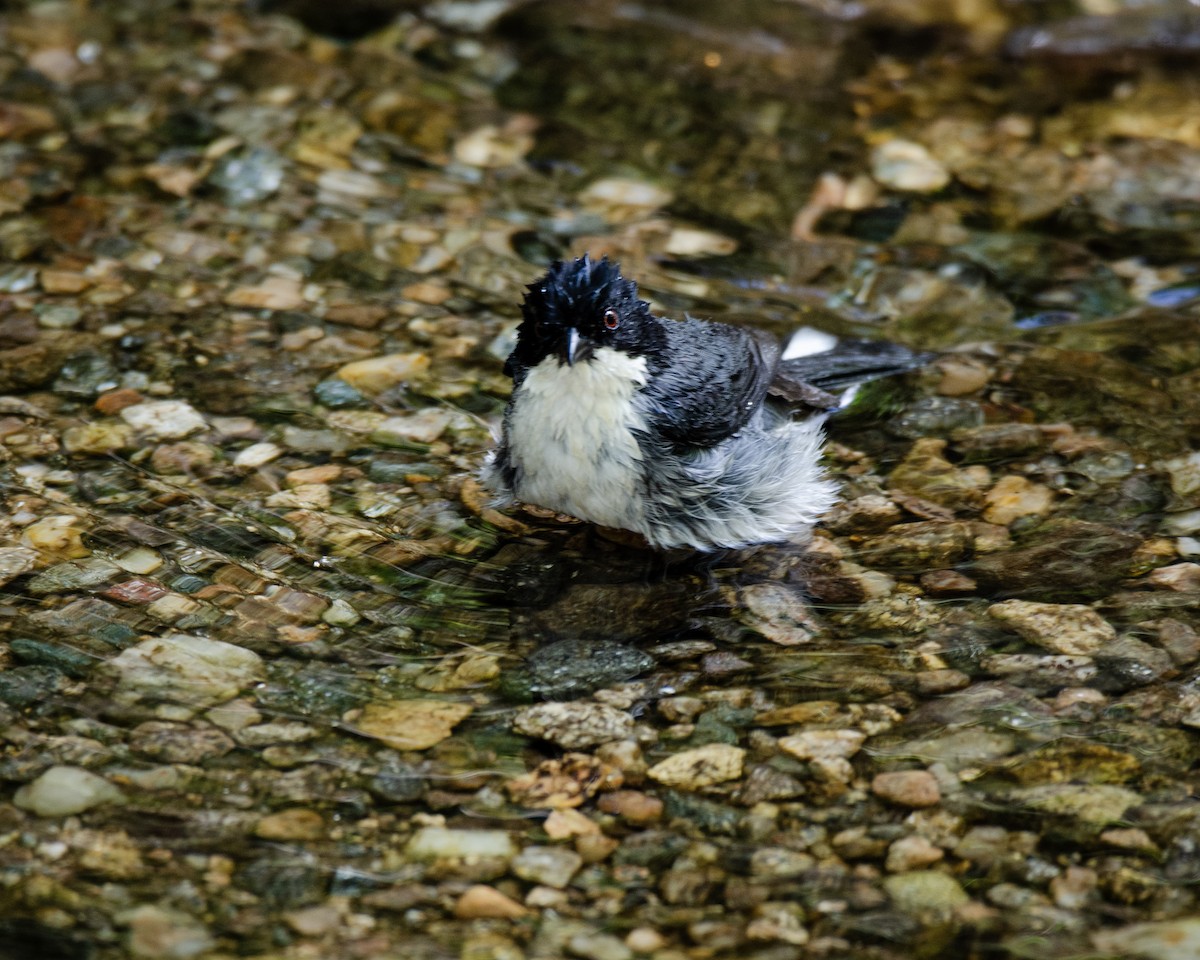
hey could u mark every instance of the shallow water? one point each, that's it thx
(264, 638)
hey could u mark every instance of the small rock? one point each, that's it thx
(907, 788)
(1184, 577)
(423, 427)
(178, 743)
(632, 805)
(412, 724)
(183, 669)
(314, 921)
(64, 791)
(484, 902)
(57, 537)
(947, 583)
(925, 891)
(912, 853)
(779, 614)
(702, 767)
(598, 946)
(1067, 628)
(443, 843)
(694, 242)
(575, 724)
(164, 419)
(620, 198)
(298, 823)
(1014, 497)
(549, 866)
(905, 165)
(1161, 940)
(16, 561)
(257, 455)
(160, 933)
(823, 744)
(274, 293)
(377, 374)
(99, 437)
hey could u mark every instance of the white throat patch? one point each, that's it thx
(570, 437)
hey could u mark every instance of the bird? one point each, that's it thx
(689, 432)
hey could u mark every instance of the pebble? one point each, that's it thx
(1160, 940)
(183, 669)
(1068, 628)
(314, 921)
(161, 933)
(912, 853)
(274, 293)
(632, 805)
(257, 455)
(906, 165)
(780, 614)
(694, 242)
(483, 902)
(412, 724)
(823, 744)
(164, 419)
(925, 891)
(64, 791)
(574, 724)
(598, 946)
(423, 427)
(99, 437)
(179, 743)
(57, 537)
(621, 198)
(701, 767)
(1183, 577)
(377, 374)
(443, 843)
(1014, 497)
(907, 788)
(298, 823)
(549, 866)
(16, 561)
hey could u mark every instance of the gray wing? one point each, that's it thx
(717, 377)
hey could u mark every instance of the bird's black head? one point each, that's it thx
(579, 307)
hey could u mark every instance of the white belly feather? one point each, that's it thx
(570, 438)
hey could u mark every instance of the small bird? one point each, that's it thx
(691, 433)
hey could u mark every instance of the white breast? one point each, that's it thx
(570, 437)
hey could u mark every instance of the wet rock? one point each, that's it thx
(412, 724)
(1067, 559)
(632, 805)
(577, 667)
(925, 892)
(1130, 662)
(550, 866)
(1005, 441)
(1091, 805)
(907, 788)
(296, 824)
(598, 946)
(701, 767)
(176, 743)
(1014, 497)
(374, 376)
(163, 419)
(161, 933)
(56, 537)
(779, 613)
(180, 669)
(912, 853)
(574, 725)
(16, 561)
(65, 791)
(59, 657)
(907, 166)
(23, 687)
(926, 473)
(1160, 940)
(917, 546)
(936, 417)
(484, 902)
(442, 843)
(1058, 627)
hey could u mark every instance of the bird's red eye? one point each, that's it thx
(612, 319)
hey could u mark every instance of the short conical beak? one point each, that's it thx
(569, 347)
